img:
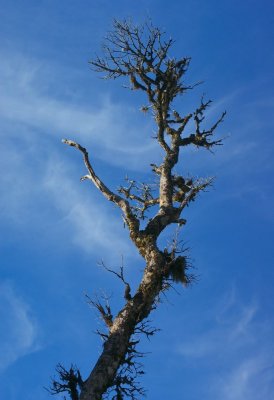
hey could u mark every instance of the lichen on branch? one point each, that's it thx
(141, 55)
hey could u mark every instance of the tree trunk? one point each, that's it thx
(117, 344)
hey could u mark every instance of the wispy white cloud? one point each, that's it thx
(251, 379)
(93, 228)
(19, 330)
(45, 198)
(30, 110)
(239, 345)
(232, 330)
(113, 130)
(35, 181)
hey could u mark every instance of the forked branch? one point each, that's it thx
(141, 54)
(130, 218)
(69, 381)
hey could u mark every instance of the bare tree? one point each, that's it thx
(141, 54)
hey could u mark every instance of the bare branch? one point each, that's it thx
(120, 275)
(131, 220)
(145, 329)
(142, 55)
(126, 382)
(70, 382)
(144, 197)
(201, 136)
(198, 186)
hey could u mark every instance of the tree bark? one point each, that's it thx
(136, 310)
(141, 54)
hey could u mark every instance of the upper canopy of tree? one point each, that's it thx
(142, 54)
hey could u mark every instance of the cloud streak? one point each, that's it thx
(47, 199)
(113, 130)
(94, 229)
(19, 331)
(252, 379)
(35, 181)
(239, 347)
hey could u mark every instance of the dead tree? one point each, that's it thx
(142, 55)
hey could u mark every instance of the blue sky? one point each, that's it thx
(215, 339)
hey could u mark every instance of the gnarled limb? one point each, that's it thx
(141, 54)
(144, 198)
(131, 220)
(69, 381)
(201, 137)
(123, 327)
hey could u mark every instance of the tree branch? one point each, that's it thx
(200, 138)
(143, 198)
(70, 381)
(131, 220)
(120, 275)
(141, 54)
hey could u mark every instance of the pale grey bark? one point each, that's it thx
(142, 55)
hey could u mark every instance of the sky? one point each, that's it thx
(215, 338)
